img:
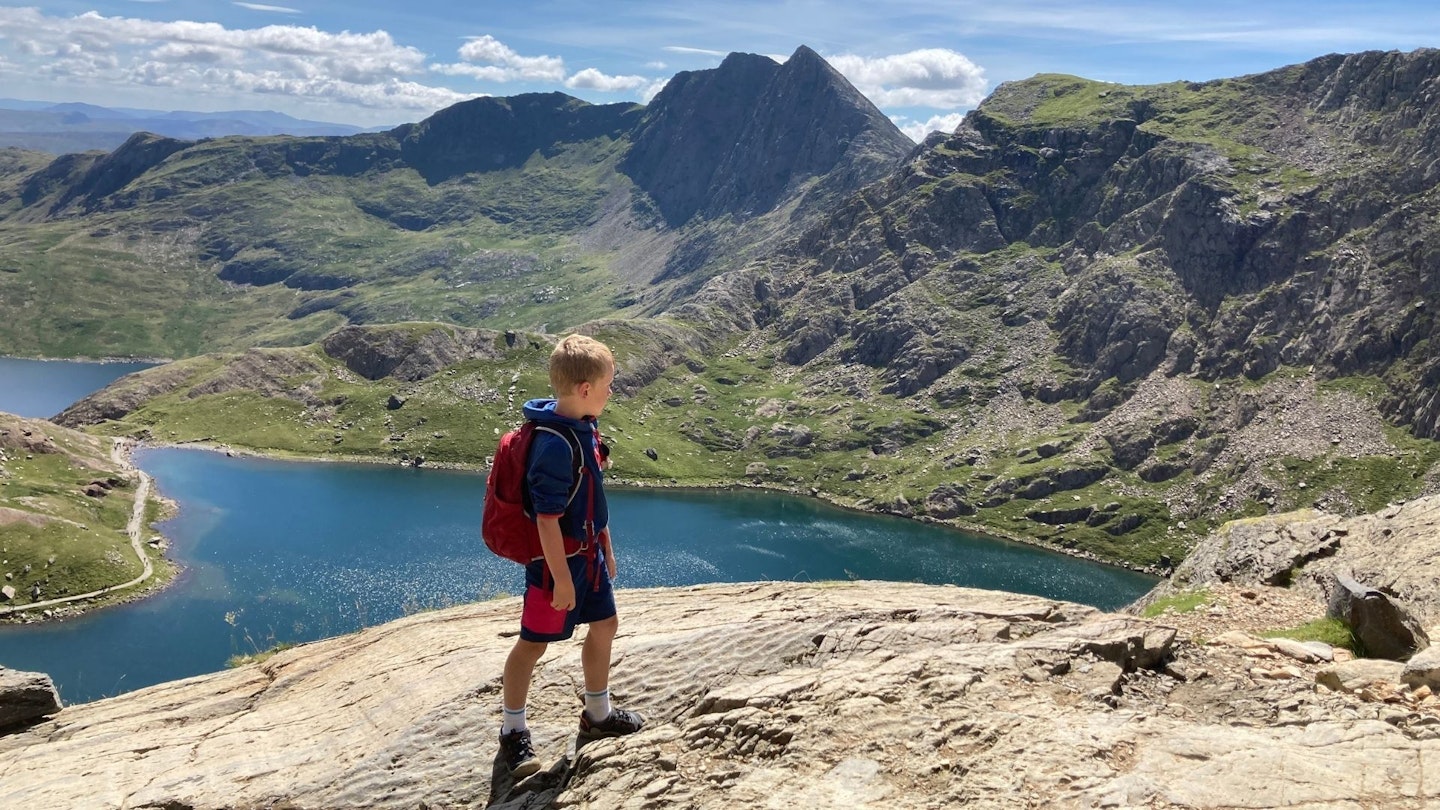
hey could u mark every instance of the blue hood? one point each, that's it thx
(543, 410)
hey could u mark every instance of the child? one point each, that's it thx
(563, 590)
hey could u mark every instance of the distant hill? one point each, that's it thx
(534, 211)
(76, 127)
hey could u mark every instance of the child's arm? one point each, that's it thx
(552, 544)
(610, 564)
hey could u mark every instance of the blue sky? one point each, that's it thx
(370, 63)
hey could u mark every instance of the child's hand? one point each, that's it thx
(610, 565)
(563, 597)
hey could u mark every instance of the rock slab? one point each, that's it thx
(1423, 669)
(26, 697)
(1384, 628)
(756, 695)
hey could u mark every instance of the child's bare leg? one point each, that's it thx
(595, 654)
(519, 667)
(600, 719)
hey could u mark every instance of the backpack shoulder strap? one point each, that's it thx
(577, 455)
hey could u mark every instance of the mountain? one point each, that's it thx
(749, 153)
(78, 127)
(1220, 297)
(1099, 317)
(528, 211)
(1221, 230)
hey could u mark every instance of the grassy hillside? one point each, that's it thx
(54, 536)
(731, 413)
(198, 266)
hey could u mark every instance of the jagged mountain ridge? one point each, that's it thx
(414, 217)
(1298, 235)
(1181, 292)
(1105, 318)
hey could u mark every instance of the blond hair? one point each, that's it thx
(577, 359)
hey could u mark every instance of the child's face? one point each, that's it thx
(596, 393)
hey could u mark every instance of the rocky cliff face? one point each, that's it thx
(408, 353)
(1164, 280)
(1297, 238)
(738, 139)
(821, 695)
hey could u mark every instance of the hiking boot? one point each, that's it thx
(620, 722)
(517, 753)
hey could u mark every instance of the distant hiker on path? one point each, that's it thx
(568, 583)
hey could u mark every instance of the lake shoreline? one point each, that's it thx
(974, 530)
(279, 553)
(170, 572)
(159, 361)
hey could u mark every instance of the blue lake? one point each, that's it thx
(288, 552)
(40, 389)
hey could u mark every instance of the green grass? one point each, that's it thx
(72, 543)
(1186, 602)
(1371, 482)
(490, 249)
(1332, 631)
(241, 659)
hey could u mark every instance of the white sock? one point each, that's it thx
(514, 720)
(597, 704)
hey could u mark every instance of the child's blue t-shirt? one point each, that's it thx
(551, 470)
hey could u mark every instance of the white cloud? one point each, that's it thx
(701, 51)
(917, 130)
(303, 63)
(271, 9)
(933, 77)
(592, 79)
(172, 52)
(489, 59)
(656, 65)
(653, 90)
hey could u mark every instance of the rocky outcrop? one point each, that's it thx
(267, 372)
(24, 437)
(141, 153)
(1423, 669)
(1394, 551)
(1383, 628)
(26, 697)
(128, 393)
(410, 352)
(776, 694)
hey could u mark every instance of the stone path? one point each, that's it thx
(136, 525)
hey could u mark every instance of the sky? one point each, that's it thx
(924, 63)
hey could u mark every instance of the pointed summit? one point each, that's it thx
(742, 137)
(804, 54)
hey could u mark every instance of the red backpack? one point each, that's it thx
(508, 518)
